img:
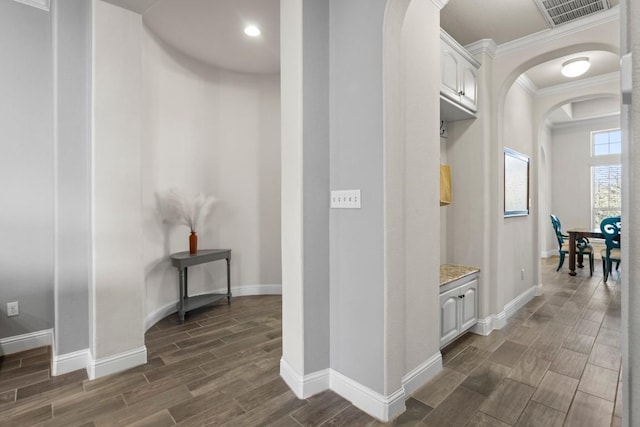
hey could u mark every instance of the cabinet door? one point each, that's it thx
(449, 316)
(469, 86)
(450, 81)
(469, 304)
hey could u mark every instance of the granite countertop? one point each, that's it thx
(451, 272)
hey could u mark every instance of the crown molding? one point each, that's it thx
(484, 46)
(525, 83)
(579, 84)
(39, 4)
(549, 35)
(453, 44)
(440, 4)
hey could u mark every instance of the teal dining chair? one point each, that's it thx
(610, 228)
(583, 247)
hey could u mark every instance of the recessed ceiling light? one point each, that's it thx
(575, 67)
(252, 31)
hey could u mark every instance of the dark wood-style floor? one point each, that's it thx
(557, 362)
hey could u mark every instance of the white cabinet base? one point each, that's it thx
(458, 308)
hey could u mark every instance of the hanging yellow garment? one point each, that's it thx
(445, 185)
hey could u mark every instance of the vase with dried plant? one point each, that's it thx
(178, 207)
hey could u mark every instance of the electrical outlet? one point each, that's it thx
(522, 274)
(13, 309)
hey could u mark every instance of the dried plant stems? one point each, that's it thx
(178, 207)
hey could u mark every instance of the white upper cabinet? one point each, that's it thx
(450, 62)
(459, 80)
(469, 88)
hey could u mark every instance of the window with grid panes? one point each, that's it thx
(606, 179)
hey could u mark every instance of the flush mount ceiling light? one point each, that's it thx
(575, 67)
(252, 31)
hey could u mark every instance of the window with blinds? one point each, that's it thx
(607, 190)
(606, 176)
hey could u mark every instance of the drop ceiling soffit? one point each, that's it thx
(40, 4)
(579, 84)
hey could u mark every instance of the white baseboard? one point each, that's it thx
(422, 374)
(498, 321)
(116, 363)
(70, 362)
(489, 323)
(307, 385)
(520, 301)
(382, 407)
(248, 290)
(549, 254)
(238, 291)
(159, 314)
(25, 342)
(539, 290)
(375, 404)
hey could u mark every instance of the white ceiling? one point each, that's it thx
(548, 74)
(468, 21)
(212, 31)
(139, 6)
(502, 21)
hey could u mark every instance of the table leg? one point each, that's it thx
(183, 292)
(229, 280)
(572, 254)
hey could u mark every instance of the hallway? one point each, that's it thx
(557, 362)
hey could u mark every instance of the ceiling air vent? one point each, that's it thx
(558, 12)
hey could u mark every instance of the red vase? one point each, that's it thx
(193, 243)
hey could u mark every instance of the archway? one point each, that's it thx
(507, 67)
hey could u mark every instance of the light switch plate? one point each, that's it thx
(345, 199)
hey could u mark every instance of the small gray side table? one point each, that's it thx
(181, 261)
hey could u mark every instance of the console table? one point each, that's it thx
(181, 261)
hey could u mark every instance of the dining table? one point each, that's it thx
(576, 234)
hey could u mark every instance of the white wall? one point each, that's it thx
(44, 115)
(315, 163)
(26, 169)
(571, 170)
(518, 252)
(421, 188)
(357, 251)
(292, 123)
(383, 264)
(548, 240)
(217, 132)
(117, 291)
(72, 72)
(630, 117)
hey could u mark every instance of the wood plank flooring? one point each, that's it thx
(556, 363)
